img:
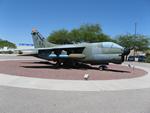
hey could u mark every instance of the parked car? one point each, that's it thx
(131, 58)
(139, 58)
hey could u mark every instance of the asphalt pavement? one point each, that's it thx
(20, 100)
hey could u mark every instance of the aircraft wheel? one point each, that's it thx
(58, 64)
(102, 67)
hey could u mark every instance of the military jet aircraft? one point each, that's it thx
(101, 53)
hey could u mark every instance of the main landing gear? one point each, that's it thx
(67, 63)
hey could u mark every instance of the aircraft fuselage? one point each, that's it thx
(93, 53)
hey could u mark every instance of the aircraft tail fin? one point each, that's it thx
(39, 41)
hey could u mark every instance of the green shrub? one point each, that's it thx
(147, 59)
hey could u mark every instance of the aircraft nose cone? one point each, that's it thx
(126, 51)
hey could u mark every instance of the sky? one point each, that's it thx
(116, 17)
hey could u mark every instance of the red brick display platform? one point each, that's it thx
(43, 69)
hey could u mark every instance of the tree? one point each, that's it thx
(138, 42)
(59, 37)
(85, 33)
(5, 43)
(125, 40)
(103, 38)
(75, 36)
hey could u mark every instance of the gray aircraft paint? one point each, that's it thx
(39, 41)
(95, 53)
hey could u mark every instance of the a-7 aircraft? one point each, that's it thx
(101, 53)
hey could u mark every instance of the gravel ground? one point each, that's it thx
(44, 69)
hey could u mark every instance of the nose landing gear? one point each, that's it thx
(103, 67)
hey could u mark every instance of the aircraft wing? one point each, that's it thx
(61, 52)
(57, 52)
(63, 47)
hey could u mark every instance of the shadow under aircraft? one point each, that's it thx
(80, 66)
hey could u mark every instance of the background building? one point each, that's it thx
(25, 46)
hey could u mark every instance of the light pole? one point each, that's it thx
(135, 33)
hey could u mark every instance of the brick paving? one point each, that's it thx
(43, 69)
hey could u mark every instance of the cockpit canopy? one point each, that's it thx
(111, 45)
